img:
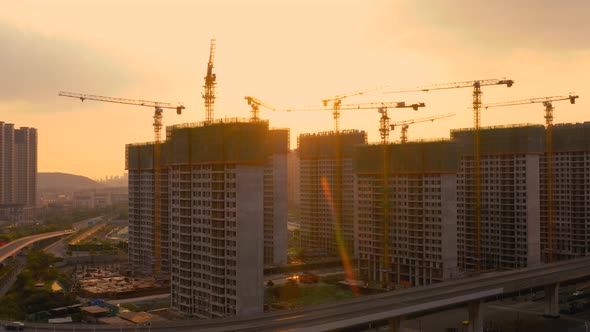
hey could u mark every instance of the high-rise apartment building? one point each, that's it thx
(571, 192)
(139, 160)
(510, 197)
(25, 149)
(225, 194)
(432, 202)
(18, 171)
(421, 200)
(326, 189)
(293, 182)
(7, 155)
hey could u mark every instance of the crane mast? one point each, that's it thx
(337, 104)
(210, 82)
(158, 122)
(255, 106)
(548, 103)
(384, 129)
(477, 98)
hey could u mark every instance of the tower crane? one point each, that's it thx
(255, 105)
(384, 129)
(477, 93)
(406, 124)
(337, 103)
(210, 82)
(159, 108)
(548, 103)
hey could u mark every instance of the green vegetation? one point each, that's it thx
(146, 306)
(333, 278)
(93, 245)
(60, 220)
(294, 295)
(294, 245)
(101, 246)
(25, 298)
(5, 270)
(26, 230)
(323, 293)
(52, 221)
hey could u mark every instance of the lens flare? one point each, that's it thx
(339, 239)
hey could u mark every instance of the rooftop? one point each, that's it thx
(95, 310)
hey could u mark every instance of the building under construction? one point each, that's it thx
(509, 232)
(431, 186)
(224, 212)
(422, 220)
(571, 189)
(139, 161)
(326, 191)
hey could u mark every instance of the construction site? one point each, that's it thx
(226, 189)
(106, 284)
(326, 161)
(208, 201)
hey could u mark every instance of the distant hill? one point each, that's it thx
(64, 181)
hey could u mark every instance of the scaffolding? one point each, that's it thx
(326, 191)
(416, 174)
(520, 138)
(415, 156)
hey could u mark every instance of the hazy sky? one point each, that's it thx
(286, 53)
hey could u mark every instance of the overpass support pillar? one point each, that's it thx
(475, 309)
(552, 301)
(395, 324)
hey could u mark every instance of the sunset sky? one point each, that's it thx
(286, 53)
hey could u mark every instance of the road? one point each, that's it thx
(359, 311)
(11, 248)
(59, 248)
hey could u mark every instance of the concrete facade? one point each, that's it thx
(224, 200)
(18, 171)
(25, 145)
(327, 195)
(510, 198)
(8, 162)
(141, 222)
(293, 182)
(571, 190)
(422, 217)
(216, 239)
(275, 210)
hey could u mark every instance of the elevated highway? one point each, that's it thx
(12, 248)
(392, 306)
